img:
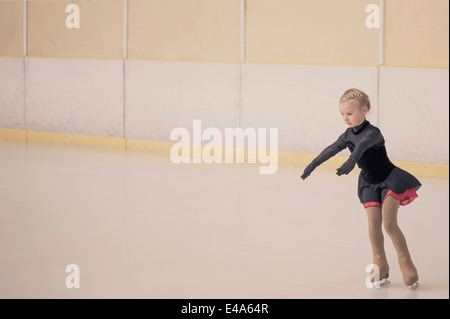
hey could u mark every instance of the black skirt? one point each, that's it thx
(400, 184)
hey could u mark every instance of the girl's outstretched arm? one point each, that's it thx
(325, 155)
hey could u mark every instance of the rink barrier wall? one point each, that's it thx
(145, 100)
(163, 148)
(412, 32)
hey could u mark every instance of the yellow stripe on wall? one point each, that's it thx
(163, 148)
(79, 140)
(13, 135)
(424, 169)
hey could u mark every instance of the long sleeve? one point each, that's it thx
(372, 137)
(330, 151)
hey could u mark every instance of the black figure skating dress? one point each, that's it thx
(379, 177)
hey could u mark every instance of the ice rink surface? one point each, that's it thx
(139, 226)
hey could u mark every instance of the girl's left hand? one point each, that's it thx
(346, 167)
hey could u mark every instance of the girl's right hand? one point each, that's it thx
(308, 170)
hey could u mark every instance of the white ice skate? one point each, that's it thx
(414, 285)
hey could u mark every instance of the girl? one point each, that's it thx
(382, 186)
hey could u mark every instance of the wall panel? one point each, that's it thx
(310, 32)
(11, 28)
(74, 96)
(303, 101)
(417, 33)
(161, 96)
(11, 93)
(414, 112)
(100, 34)
(187, 30)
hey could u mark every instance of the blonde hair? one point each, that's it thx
(357, 95)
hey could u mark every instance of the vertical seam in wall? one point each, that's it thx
(242, 31)
(381, 34)
(125, 55)
(25, 49)
(25, 52)
(123, 102)
(239, 102)
(378, 95)
(242, 58)
(125, 29)
(381, 57)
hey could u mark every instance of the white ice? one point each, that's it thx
(139, 226)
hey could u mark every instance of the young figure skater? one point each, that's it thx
(382, 186)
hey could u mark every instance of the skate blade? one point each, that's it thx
(414, 286)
